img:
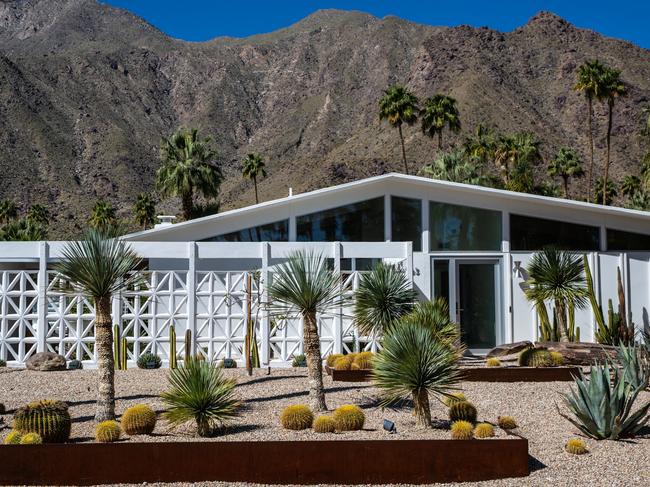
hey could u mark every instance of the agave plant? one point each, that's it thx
(636, 365)
(434, 315)
(602, 409)
(414, 364)
(383, 296)
(200, 392)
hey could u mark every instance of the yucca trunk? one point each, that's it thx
(609, 136)
(591, 147)
(421, 408)
(105, 408)
(401, 139)
(560, 314)
(311, 343)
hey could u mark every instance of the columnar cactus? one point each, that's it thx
(139, 420)
(116, 347)
(124, 354)
(188, 346)
(49, 418)
(172, 347)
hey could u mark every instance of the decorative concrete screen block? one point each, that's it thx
(19, 315)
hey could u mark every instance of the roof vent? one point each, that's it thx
(165, 221)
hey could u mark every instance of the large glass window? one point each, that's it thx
(528, 233)
(454, 227)
(269, 232)
(620, 240)
(357, 222)
(406, 221)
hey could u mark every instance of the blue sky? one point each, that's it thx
(198, 20)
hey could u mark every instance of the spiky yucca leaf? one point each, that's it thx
(435, 316)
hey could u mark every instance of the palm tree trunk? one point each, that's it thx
(566, 187)
(422, 409)
(105, 408)
(187, 200)
(560, 315)
(255, 184)
(591, 148)
(610, 106)
(440, 140)
(311, 342)
(401, 139)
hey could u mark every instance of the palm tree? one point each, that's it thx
(8, 211)
(252, 168)
(144, 210)
(566, 164)
(102, 215)
(609, 190)
(24, 230)
(383, 296)
(188, 169)
(613, 89)
(558, 276)
(514, 155)
(98, 267)
(438, 111)
(590, 83)
(38, 214)
(631, 185)
(481, 145)
(399, 106)
(305, 286)
(454, 166)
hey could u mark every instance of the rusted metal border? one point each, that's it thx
(269, 462)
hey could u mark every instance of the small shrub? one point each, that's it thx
(3, 363)
(228, 363)
(463, 410)
(454, 398)
(149, 361)
(108, 431)
(296, 417)
(139, 420)
(535, 357)
(31, 439)
(576, 446)
(557, 358)
(344, 363)
(349, 418)
(13, 438)
(506, 422)
(299, 361)
(49, 418)
(324, 424)
(363, 360)
(75, 365)
(331, 359)
(484, 430)
(493, 362)
(462, 430)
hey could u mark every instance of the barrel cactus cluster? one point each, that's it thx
(296, 417)
(540, 357)
(349, 417)
(108, 431)
(324, 424)
(350, 361)
(48, 418)
(139, 420)
(463, 411)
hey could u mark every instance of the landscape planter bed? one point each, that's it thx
(269, 462)
(480, 374)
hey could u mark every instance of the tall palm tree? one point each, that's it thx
(304, 286)
(613, 89)
(481, 145)
(103, 215)
(38, 214)
(439, 111)
(610, 191)
(399, 106)
(144, 210)
(566, 164)
(8, 211)
(188, 169)
(631, 185)
(454, 166)
(514, 155)
(100, 266)
(557, 276)
(252, 168)
(590, 76)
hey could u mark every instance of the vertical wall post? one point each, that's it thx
(43, 256)
(191, 293)
(265, 330)
(388, 221)
(338, 317)
(408, 255)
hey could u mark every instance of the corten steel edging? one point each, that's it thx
(364, 375)
(268, 462)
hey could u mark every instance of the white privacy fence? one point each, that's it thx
(201, 287)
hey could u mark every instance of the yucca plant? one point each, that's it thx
(636, 365)
(434, 315)
(414, 364)
(384, 295)
(602, 408)
(199, 392)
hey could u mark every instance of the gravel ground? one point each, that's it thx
(264, 396)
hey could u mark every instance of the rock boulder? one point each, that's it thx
(46, 362)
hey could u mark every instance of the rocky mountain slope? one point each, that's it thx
(87, 91)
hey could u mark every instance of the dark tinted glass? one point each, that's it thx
(357, 222)
(528, 233)
(406, 221)
(269, 232)
(620, 240)
(455, 227)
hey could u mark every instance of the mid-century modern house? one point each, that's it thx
(468, 244)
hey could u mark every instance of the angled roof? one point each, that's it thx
(504, 195)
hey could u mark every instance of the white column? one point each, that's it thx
(505, 231)
(426, 231)
(43, 255)
(408, 254)
(292, 229)
(507, 287)
(338, 318)
(388, 221)
(603, 239)
(191, 293)
(265, 329)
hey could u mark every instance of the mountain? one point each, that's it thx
(88, 90)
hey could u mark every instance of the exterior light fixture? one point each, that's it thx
(390, 426)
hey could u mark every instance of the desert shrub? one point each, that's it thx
(299, 361)
(331, 359)
(463, 411)
(349, 418)
(344, 363)
(601, 407)
(484, 430)
(462, 430)
(324, 424)
(576, 446)
(506, 422)
(296, 417)
(149, 361)
(199, 392)
(108, 431)
(75, 365)
(453, 398)
(228, 363)
(139, 420)
(535, 357)
(49, 418)
(3, 363)
(363, 360)
(493, 362)
(31, 439)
